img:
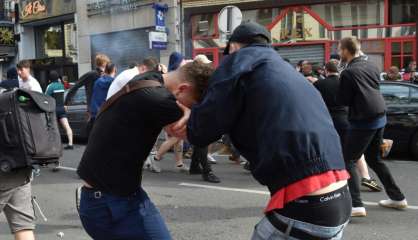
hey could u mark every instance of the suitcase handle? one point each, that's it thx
(4, 130)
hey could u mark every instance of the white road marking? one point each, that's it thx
(258, 192)
(68, 168)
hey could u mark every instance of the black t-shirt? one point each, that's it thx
(329, 90)
(123, 136)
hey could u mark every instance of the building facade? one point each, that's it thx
(7, 37)
(121, 29)
(310, 30)
(65, 35)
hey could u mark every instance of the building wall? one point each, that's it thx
(144, 17)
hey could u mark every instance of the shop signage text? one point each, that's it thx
(33, 8)
(102, 7)
(295, 33)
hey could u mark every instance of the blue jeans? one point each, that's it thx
(106, 216)
(264, 230)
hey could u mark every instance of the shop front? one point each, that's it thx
(386, 29)
(48, 35)
(7, 42)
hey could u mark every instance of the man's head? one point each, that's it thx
(101, 60)
(175, 61)
(147, 65)
(393, 73)
(412, 66)
(110, 69)
(246, 34)
(348, 48)
(23, 69)
(189, 82)
(331, 68)
(307, 69)
(11, 73)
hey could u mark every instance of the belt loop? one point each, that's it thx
(289, 229)
(97, 195)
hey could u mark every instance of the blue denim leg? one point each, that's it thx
(122, 218)
(264, 230)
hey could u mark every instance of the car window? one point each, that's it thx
(395, 94)
(79, 98)
(414, 95)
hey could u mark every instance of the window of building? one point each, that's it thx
(70, 36)
(298, 25)
(402, 53)
(402, 11)
(204, 26)
(352, 14)
(261, 16)
(6, 10)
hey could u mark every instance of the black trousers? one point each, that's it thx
(200, 157)
(367, 142)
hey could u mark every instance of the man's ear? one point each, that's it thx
(184, 87)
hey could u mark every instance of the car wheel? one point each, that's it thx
(413, 148)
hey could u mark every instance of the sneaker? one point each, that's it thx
(147, 163)
(210, 177)
(394, 204)
(247, 166)
(358, 212)
(211, 159)
(371, 184)
(182, 168)
(69, 147)
(155, 165)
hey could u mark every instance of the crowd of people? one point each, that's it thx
(303, 133)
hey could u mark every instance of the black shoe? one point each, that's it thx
(371, 184)
(195, 170)
(69, 147)
(210, 177)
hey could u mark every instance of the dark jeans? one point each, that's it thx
(200, 157)
(106, 216)
(367, 142)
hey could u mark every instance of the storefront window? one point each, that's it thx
(403, 11)
(352, 14)
(261, 16)
(204, 26)
(298, 25)
(402, 52)
(49, 41)
(6, 10)
(56, 41)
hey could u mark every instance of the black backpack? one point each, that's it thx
(29, 133)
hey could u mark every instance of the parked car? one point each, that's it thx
(77, 113)
(402, 103)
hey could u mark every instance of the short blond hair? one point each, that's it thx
(102, 60)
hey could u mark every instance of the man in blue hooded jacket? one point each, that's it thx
(280, 124)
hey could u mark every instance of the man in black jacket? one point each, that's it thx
(12, 79)
(280, 124)
(359, 90)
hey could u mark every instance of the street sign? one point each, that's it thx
(229, 18)
(158, 40)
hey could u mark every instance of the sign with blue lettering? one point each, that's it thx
(158, 40)
(160, 11)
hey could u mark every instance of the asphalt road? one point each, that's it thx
(196, 210)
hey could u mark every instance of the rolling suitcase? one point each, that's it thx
(29, 132)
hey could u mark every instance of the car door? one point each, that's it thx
(77, 113)
(401, 114)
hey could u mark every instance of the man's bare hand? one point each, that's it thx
(179, 128)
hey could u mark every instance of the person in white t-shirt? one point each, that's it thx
(149, 64)
(26, 81)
